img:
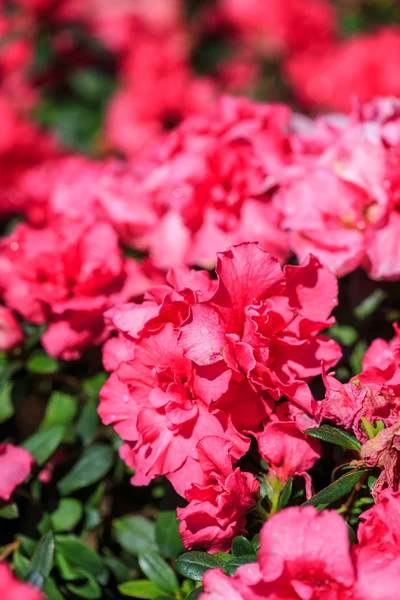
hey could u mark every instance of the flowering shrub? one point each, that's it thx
(199, 300)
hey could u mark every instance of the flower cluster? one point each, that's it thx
(307, 555)
(61, 275)
(200, 365)
(182, 248)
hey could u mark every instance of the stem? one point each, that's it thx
(10, 549)
(277, 487)
(261, 510)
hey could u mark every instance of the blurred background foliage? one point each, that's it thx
(78, 526)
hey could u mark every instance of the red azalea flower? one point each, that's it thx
(217, 507)
(67, 274)
(12, 589)
(16, 464)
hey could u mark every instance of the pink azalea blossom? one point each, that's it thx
(217, 507)
(263, 323)
(287, 26)
(12, 589)
(208, 183)
(288, 451)
(167, 399)
(306, 555)
(10, 331)
(361, 68)
(62, 276)
(374, 394)
(16, 465)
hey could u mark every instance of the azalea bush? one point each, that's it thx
(199, 300)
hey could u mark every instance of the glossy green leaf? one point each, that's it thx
(344, 334)
(92, 466)
(67, 515)
(369, 305)
(42, 561)
(89, 589)
(88, 421)
(117, 567)
(336, 436)
(337, 489)
(43, 444)
(6, 405)
(193, 565)
(51, 590)
(20, 564)
(241, 546)
(158, 571)
(67, 571)
(135, 534)
(235, 563)
(9, 512)
(285, 494)
(42, 363)
(223, 556)
(93, 385)
(167, 534)
(196, 593)
(255, 542)
(140, 588)
(61, 409)
(357, 356)
(79, 555)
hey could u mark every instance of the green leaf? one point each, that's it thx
(285, 494)
(117, 567)
(43, 444)
(67, 571)
(51, 590)
(266, 489)
(92, 466)
(241, 546)
(337, 489)
(88, 421)
(135, 534)
(67, 516)
(60, 410)
(89, 589)
(140, 589)
(196, 593)
(370, 304)
(335, 436)
(223, 556)
(167, 534)
(41, 363)
(44, 524)
(255, 542)
(10, 511)
(42, 561)
(344, 334)
(235, 563)
(20, 564)
(6, 405)
(193, 565)
(158, 571)
(357, 356)
(91, 84)
(28, 545)
(79, 555)
(93, 385)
